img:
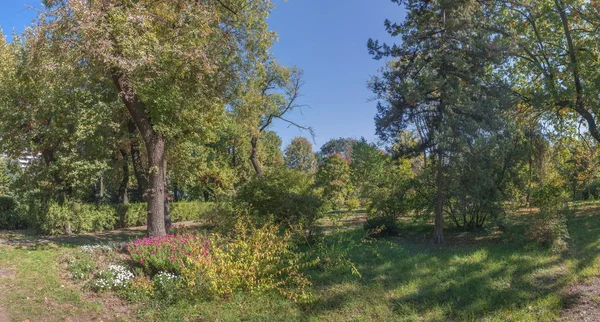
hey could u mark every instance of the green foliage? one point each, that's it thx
(381, 226)
(333, 177)
(4, 177)
(70, 217)
(11, 216)
(549, 225)
(341, 146)
(282, 196)
(75, 217)
(81, 265)
(299, 155)
(394, 195)
(253, 260)
(368, 166)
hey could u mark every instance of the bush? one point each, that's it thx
(10, 217)
(380, 226)
(74, 217)
(549, 226)
(282, 196)
(168, 253)
(254, 260)
(549, 229)
(132, 214)
(191, 210)
(71, 217)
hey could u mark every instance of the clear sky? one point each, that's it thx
(325, 38)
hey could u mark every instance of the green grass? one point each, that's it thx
(483, 276)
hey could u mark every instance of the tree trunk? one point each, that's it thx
(123, 194)
(156, 194)
(101, 187)
(140, 170)
(155, 147)
(254, 158)
(438, 231)
(168, 221)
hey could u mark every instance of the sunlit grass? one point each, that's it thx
(482, 276)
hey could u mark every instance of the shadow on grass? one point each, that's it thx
(484, 275)
(28, 239)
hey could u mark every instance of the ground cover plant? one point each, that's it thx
(487, 275)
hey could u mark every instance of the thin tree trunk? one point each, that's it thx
(438, 231)
(101, 187)
(123, 193)
(140, 170)
(254, 158)
(168, 220)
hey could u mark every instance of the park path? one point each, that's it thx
(4, 273)
(585, 302)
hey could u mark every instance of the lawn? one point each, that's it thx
(485, 276)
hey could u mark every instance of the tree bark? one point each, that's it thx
(438, 231)
(155, 147)
(168, 220)
(254, 158)
(571, 50)
(156, 194)
(140, 170)
(123, 193)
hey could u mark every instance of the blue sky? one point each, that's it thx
(325, 38)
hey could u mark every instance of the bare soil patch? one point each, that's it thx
(583, 302)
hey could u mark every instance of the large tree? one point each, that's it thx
(172, 63)
(554, 56)
(438, 82)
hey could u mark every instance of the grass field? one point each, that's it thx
(484, 276)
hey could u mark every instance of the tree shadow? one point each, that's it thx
(474, 276)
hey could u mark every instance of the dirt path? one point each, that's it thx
(583, 303)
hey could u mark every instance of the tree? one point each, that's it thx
(554, 46)
(299, 155)
(172, 65)
(342, 146)
(439, 83)
(269, 94)
(368, 166)
(334, 177)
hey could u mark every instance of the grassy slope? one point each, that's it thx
(483, 276)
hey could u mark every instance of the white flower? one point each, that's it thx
(90, 249)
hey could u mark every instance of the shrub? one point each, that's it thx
(549, 229)
(380, 226)
(74, 217)
(71, 217)
(10, 217)
(352, 203)
(139, 290)
(131, 215)
(549, 226)
(191, 210)
(282, 196)
(254, 260)
(167, 253)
